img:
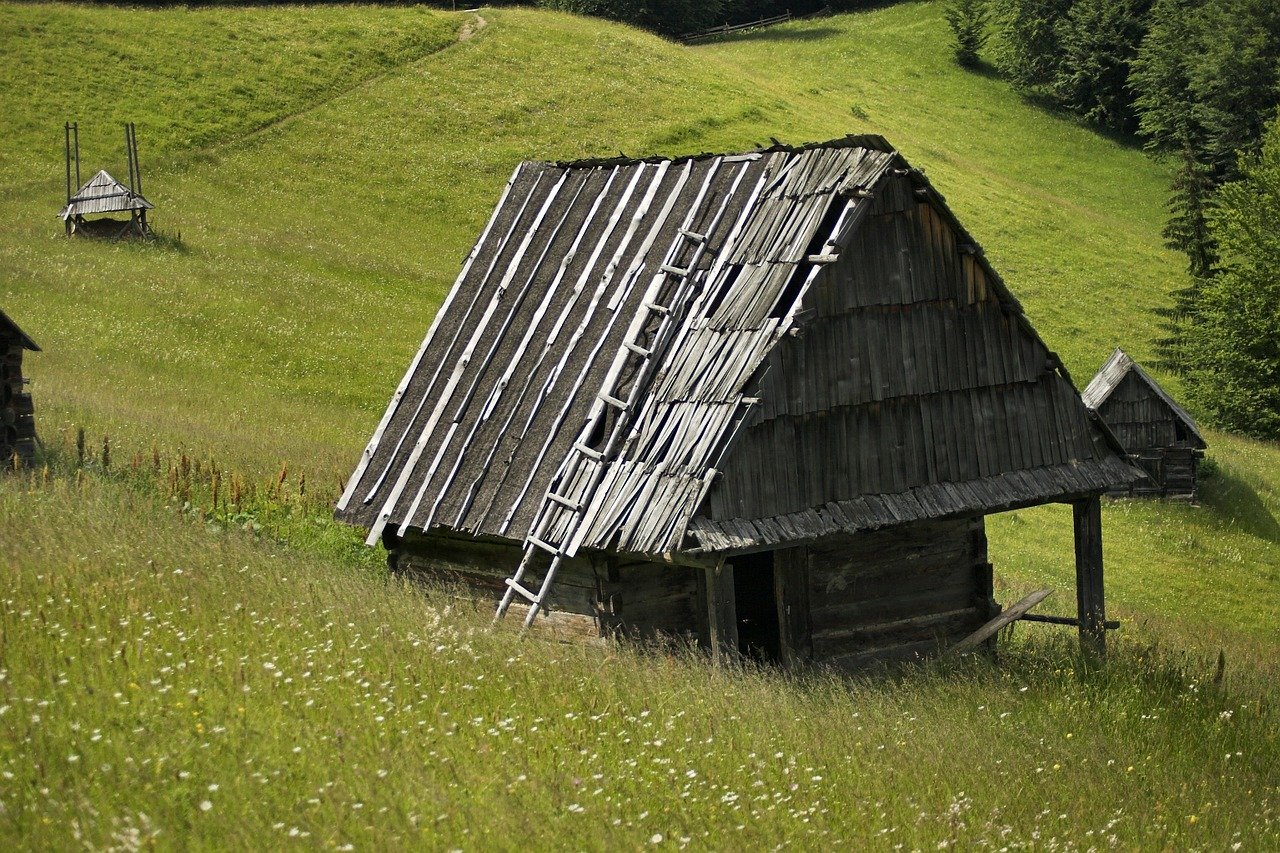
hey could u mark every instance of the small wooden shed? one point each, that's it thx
(761, 401)
(17, 412)
(102, 195)
(1151, 426)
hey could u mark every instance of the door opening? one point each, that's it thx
(756, 600)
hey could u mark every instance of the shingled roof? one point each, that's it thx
(103, 194)
(758, 426)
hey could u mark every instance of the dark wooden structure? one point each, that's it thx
(17, 412)
(102, 195)
(762, 401)
(1158, 433)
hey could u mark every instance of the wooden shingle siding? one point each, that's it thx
(916, 380)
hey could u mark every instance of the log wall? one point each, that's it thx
(849, 602)
(891, 595)
(592, 597)
(17, 411)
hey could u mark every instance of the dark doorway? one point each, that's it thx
(755, 598)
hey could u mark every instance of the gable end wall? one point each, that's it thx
(911, 371)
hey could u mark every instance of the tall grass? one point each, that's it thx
(164, 681)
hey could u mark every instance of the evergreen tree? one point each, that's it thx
(968, 22)
(1027, 50)
(1097, 41)
(1205, 80)
(1231, 348)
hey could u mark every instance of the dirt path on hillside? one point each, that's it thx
(471, 27)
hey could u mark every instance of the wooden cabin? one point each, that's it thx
(757, 401)
(17, 412)
(1156, 432)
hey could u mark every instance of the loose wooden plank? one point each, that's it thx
(992, 627)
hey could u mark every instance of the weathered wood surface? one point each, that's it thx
(791, 593)
(916, 588)
(990, 629)
(103, 194)
(554, 322)
(916, 380)
(591, 596)
(1090, 597)
(1152, 427)
(720, 627)
(17, 409)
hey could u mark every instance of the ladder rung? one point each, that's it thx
(531, 597)
(693, 235)
(550, 549)
(674, 270)
(638, 350)
(823, 259)
(612, 401)
(589, 452)
(656, 308)
(564, 502)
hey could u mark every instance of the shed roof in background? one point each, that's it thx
(563, 274)
(103, 194)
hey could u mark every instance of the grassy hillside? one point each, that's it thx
(159, 680)
(327, 168)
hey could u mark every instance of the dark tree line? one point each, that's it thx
(1199, 82)
(681, 17)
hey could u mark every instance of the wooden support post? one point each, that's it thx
(722, 612)
(1090, 601)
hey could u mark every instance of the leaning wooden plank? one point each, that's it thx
(990, 629)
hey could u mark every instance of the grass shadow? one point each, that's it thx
(1044, 103)
(1234, 502)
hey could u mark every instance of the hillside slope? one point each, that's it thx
(165, 684)
(326, 174)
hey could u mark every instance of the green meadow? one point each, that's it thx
(183, 673)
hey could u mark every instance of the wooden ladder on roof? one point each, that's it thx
(559, 518)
